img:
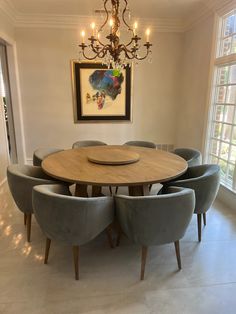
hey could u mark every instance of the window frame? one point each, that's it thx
(219, 61)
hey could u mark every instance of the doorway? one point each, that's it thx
(5, 94)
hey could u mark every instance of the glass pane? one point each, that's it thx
(217, 127)
(233, 154)
(220, 94)
(223, 167)
(215, 145)
(222, 75)
(219, 113)
(229, 114)
(231, 172)
(213, 160)
(228, 25)
(233, 47)
(224, 151)
(226, 132)
(231, 95)
(235, 117)
(233, 140)
(226, 46)
(232, 76)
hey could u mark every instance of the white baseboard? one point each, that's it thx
(29, 161)
(227, 197)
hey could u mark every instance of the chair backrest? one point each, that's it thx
(141, 144)
(159, 219)
(205, 181)
(79, 144)
(41, 153)
(192, 156)
(21, 180)
(69, 219)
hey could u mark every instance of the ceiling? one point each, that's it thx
(146, 9)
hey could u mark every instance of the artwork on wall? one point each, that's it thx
(101, 94)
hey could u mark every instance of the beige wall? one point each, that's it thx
(44, 56)
(6, 27)
(195, 79)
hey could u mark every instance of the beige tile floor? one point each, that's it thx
(109, 279)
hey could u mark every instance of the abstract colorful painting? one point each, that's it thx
(101, 94)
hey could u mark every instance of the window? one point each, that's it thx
(2, 88)
(222, 135)
(227, 40)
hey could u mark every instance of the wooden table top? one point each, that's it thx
(153, 166)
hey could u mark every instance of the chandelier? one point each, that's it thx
(113, 53)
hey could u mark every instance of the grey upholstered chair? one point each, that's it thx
(87, 143)
(192, 156)
(205, 181)
(141, 144)
(71, 220)
(41, 153)
(156, 220)
(21, 180)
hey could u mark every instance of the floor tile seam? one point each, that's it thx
(121, 294)
(195, 286)
(131, 292)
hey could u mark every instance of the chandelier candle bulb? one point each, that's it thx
(148, 34)
(93, 28)
(83, 36)
(111, 24)
(135, 27)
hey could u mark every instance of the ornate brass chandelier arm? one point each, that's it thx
(107, 16)
(131, 41)
(88, 58)
(145, 56)
(103, 51)
(125, 49)
(114, 53)
(100, 43)
(123, 16)
(98, 54)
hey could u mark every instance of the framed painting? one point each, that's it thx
(100, 94)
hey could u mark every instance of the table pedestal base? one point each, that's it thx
(81, 190)
(139, 190)
(96, 191)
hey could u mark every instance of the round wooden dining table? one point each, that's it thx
(114, 165)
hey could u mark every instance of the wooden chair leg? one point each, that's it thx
(177, 251)
(25, 218)
(204, 218)
(110, 189)
(143, 261)
(76, 261)
(116, 190)
(199, 226)
(47, 248)
(29, 216)
(109, 236)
